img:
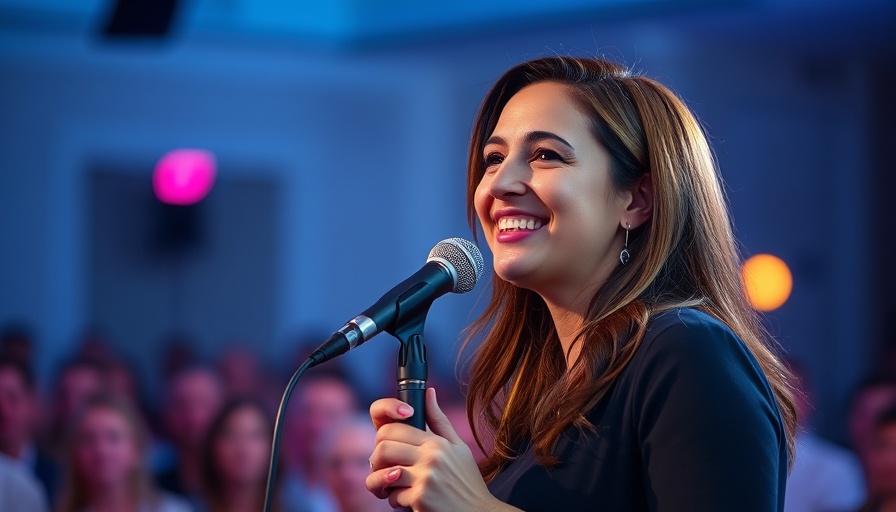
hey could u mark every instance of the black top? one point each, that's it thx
(690, 425)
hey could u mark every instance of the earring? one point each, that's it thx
(624, 256)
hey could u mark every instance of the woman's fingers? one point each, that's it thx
(401, 498)
(389, 410)
(390, 453)
(383, 482)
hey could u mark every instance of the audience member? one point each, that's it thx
(178, 353)
(236, 456)
(322, 401)
(77, 381)
(241, 373)
(345, 450)
(106, 469)
(824, 477)
(193, 397)
(19, 491)
(868, 402)
(17, 342)
(18, 423)
(881, 464)
(123, 381)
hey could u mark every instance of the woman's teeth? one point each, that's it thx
(518, 223)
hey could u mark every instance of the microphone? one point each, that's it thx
(453, 265)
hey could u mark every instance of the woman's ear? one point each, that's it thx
(640, 207)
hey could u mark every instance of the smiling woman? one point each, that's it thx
(622, 367)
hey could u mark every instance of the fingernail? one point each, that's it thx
(393, 474)
(405, 410)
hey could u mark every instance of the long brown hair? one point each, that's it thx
(74, 496)
(684, 256)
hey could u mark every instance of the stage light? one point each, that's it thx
(767, 280)
(184, 176)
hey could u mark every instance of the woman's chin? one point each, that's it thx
(517, 275)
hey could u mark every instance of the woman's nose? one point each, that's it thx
(510, 178)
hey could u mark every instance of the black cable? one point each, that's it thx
(278, 428)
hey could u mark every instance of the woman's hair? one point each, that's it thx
(74, 497)
(213, 480)
(683, 256)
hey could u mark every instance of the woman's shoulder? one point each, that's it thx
(694, 347)
(683, 319)
(689, 332)
(689, 349)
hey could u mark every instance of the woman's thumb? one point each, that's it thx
(437, 420)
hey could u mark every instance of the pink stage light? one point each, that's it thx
(184, 176)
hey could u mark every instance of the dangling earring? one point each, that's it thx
(624, 256)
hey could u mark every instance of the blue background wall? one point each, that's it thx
(340, 132)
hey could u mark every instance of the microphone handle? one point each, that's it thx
(412, 374)
(413, 393)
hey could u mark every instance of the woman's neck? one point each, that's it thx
(569, 307)
(568, 323)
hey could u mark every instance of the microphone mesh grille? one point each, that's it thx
(466, 259)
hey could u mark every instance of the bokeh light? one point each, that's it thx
(767, 280)
(184, 176)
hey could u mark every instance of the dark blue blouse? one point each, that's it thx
(691, 425)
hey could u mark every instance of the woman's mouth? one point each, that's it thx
(514, 228)
(518, 223)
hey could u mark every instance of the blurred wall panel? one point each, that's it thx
(206, 270)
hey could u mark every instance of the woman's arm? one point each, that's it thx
(427, 471)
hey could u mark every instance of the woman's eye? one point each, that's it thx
(547, 154)
(493, 159)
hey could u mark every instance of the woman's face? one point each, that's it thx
(242, 449)
(546, 202)
(106, 451)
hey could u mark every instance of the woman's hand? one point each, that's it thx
(425, 471)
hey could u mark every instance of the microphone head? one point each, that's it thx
(464, 260)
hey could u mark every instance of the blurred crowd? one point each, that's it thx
(861, 477)
(90, 440)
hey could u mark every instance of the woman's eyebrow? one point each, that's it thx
(530, 138)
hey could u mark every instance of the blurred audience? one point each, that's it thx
(241, 373)
(19, 422)
(322, 400)
(344, 454)
(881, 463)
(235, 460)
(105, 467)
(17, 342)
(76, 381)
(824, 477)
(19, 491)
(868, 402)
(192, 398)
(178, 353)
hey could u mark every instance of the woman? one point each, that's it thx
(235, 458)
(622, 368)
(106, 463)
